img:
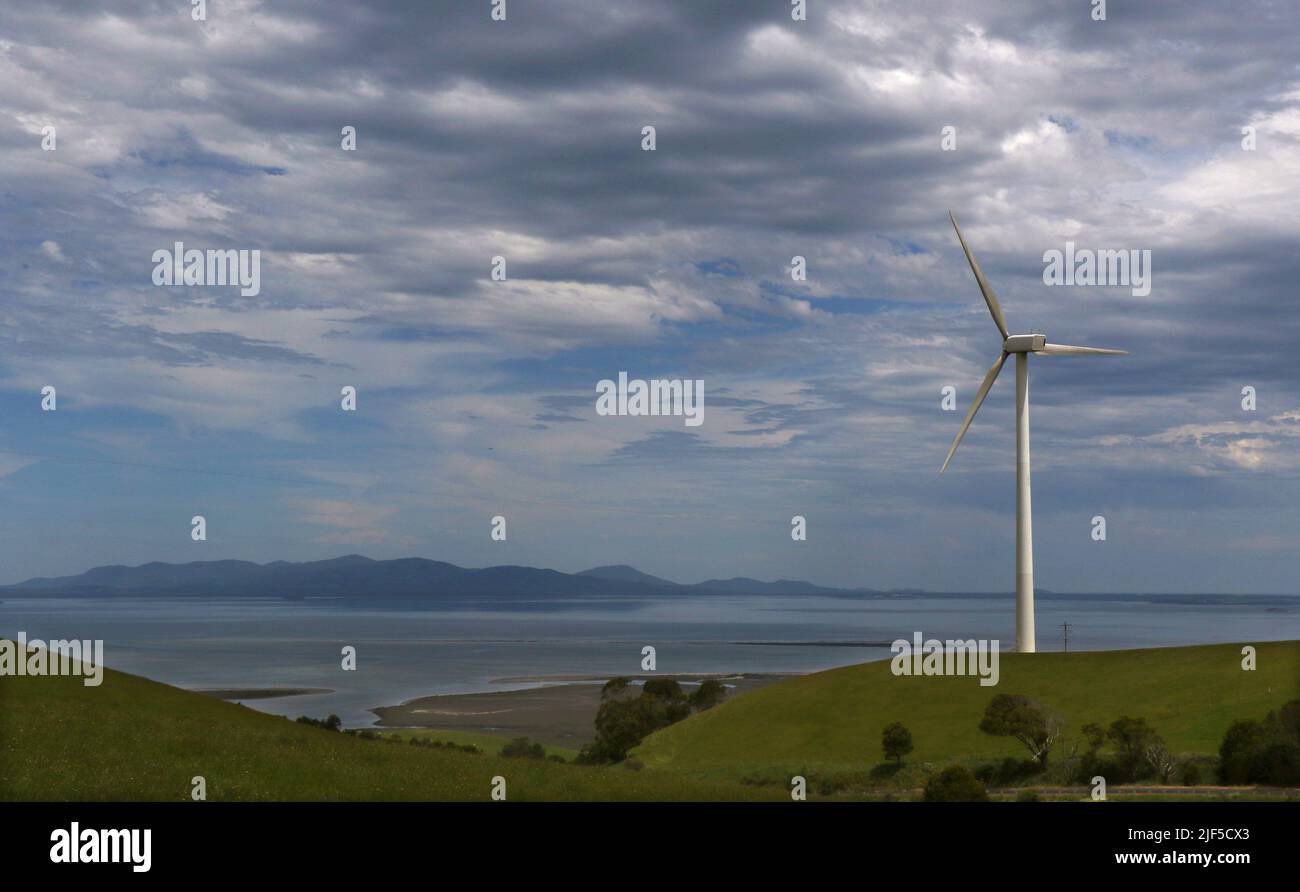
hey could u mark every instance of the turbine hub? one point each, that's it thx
(1026, 343)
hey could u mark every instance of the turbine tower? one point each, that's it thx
(1021, 345)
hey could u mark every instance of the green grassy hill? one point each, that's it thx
(134, 739)
(830, 722)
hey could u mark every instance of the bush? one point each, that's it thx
(1008, 771)
(708, 694)
(1266, 752)
(1278, 765)
(1028, 796)
(885, 770)
(955, 784)
(523, 748)
(331, 723)
(1191, 775)
(446, 744)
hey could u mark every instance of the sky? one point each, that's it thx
(822, 138)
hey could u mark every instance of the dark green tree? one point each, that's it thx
(1133, 739)
(1013, 715)
(708, 694)
(896, 741)
(614, 687)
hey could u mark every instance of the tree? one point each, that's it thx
(1266, 752)
(1094, 735)
(622, 722)
(896, 741)
(332, 723)
(955, 784)
(1132, 738)
(614, 687)
(708, 694)
(1013, 715)
(1158, 757)
(668, 695)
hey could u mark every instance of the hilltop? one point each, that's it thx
(831, 721)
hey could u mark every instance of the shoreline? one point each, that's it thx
(558, 714)
(258, 693)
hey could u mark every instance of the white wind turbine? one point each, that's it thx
(1021, 345)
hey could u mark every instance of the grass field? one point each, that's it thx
(830, 723)
(134, 739)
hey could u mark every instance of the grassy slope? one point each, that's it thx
(831, 721)
(134, 739)
(488, 743)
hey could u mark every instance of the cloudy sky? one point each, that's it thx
(774, 138)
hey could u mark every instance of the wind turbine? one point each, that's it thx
(1021, 345)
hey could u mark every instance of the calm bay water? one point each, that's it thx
(410, 653)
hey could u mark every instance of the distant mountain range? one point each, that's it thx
(360, 581)
(354, 577)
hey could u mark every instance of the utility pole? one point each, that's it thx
(1065, 636)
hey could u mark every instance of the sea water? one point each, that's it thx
(467, 648)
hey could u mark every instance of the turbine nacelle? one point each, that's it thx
(1011, 344)
(1028, 343)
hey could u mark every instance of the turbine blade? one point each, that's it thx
(986, 289)
(975, 407)
(1067, 350)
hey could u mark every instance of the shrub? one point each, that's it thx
(1008, 771)
(523, 748)
(955, 784)
(1266, 752)
(708, 694)
(1191, 775)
